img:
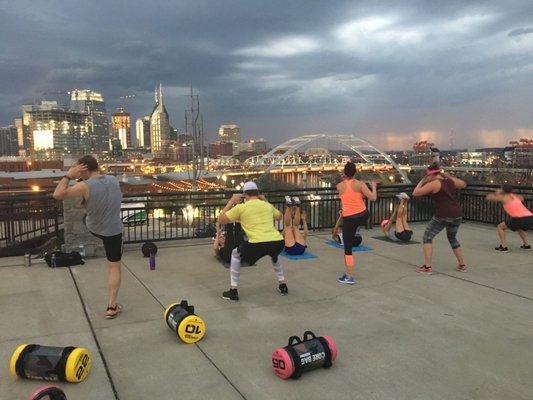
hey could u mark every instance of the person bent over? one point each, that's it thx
(396, 227)
(256, 216)
(295, 240)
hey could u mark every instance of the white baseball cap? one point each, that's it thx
(249, 186)
(403, 196)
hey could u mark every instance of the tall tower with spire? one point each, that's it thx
(159, 125)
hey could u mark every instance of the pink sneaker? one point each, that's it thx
(424, 270)
(461, 268)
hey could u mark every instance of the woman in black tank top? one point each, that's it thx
(442, 189)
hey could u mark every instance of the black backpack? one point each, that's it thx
(64, 259)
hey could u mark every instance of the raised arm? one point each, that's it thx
(459, 183)
(372, 193)
(223, 218)
(425, 187)
(80, 189)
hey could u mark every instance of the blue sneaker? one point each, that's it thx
(341, 278)
(349, 280)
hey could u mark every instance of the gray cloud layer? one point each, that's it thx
(281, 68)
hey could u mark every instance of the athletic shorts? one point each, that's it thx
(253, 252)
(112, 246)
(404, 236)
(522, 224)
(296, 250)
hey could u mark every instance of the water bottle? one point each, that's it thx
(82, 250)
(152, 261)
(53, 261)
(27, 260)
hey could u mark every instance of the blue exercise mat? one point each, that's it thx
(305, 256)
(333, 243)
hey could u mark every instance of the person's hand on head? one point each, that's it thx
(236, 199)
(76, 170)
(262, 197)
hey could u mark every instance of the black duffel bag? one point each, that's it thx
(64, 259)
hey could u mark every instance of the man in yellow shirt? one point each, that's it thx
(256, 216)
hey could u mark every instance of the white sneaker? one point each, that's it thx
(288, 200)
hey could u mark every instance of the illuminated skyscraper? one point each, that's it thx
(121, 127)
(8, 141)
(55, 132)
(229, 133)
(142, 130)
(159, 126)
(93, 104)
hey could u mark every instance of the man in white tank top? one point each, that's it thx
(102, 198)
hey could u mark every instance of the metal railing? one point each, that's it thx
(26, 221)
(193, 215)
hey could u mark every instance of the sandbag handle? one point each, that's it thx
(293, 339)
(307, 334)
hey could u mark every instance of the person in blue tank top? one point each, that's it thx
(102, 197)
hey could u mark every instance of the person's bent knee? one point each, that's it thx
(455, 245)
(502, 225)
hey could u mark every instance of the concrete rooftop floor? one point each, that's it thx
(400, 335)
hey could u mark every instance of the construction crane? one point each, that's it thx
(126, 97)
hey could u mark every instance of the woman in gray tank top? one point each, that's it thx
(102, 198)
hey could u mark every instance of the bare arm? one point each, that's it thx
(304, 223)
(80, 189)
(496, 197)
(372, 193)
(222, 217)
(337, 226)
(459, 183)
(426, 187)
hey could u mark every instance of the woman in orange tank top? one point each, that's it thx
(521, 217)
(354, 213)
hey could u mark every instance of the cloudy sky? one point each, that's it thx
(393, 72)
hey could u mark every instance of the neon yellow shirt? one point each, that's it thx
(257, 219)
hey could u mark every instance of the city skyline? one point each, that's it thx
(391, 73)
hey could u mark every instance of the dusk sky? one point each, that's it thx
(393, 72)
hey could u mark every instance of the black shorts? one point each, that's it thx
(404, 236)
(253, 252)
(112, 246)
(522, 224)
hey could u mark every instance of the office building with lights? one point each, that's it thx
(159, 127)
(93, 104)
(8, 141)
(142, 132)
(121, 127)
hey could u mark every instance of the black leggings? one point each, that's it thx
(234, 238)
(349, 227)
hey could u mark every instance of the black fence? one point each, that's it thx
(193, 215)
(28, 221)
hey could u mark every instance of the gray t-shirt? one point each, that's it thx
(103, 205)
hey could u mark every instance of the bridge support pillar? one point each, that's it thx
(76, 232)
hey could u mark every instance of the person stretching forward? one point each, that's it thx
(256, 216)
(521, 218)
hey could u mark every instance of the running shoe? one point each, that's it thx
(231, 294)
(526, 247)
(501, 248)
(288, 200)
(349, 280)
(113, 312)
(402, 196)
(296, 200)
(424, 270)
(283, 289)
(461, 268)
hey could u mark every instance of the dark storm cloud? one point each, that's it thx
(280, 68)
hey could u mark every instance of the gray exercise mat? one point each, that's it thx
(386, 239)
